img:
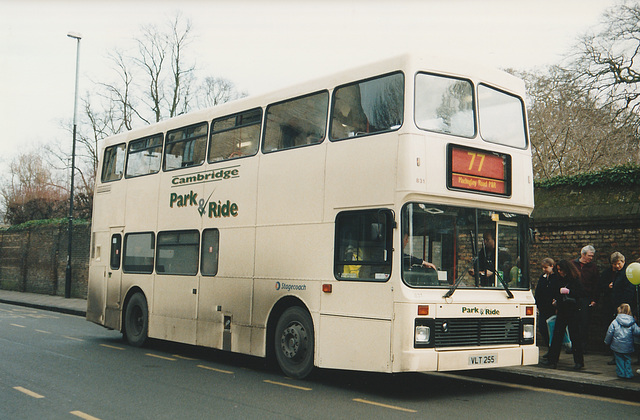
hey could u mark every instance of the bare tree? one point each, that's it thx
(571, 132)
(31, 191)
(217, 90)
(607, 60)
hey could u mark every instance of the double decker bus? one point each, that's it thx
(374, 220)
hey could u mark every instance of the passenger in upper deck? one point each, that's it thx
(349, 118)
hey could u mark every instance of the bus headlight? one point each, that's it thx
(423, 333)
(528, 331)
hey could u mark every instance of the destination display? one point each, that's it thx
(478, 170)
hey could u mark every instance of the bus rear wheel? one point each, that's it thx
(294, 342)
(136, 320)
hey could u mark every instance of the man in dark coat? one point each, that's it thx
(590, 279)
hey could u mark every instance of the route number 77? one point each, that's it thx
(480, 156)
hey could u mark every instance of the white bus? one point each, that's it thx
(337, 224)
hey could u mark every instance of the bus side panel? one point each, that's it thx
(294, 253)
(354, 343)
(142, 204)
(175, 299)
(360, 171)
(230, 292)
(222, 297)
(355, 326)
(108, 206)
(96, 299)
(291, 186)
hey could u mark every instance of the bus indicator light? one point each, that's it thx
(423, 309)
(529, 310)
(327, 288)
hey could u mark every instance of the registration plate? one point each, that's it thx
(487, 359)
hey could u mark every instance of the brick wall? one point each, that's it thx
(568, 218)
(34, 259)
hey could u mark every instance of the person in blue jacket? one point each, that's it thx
(620, 338)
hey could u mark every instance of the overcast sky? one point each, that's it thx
(260, 45)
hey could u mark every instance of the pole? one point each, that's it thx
(67, 281)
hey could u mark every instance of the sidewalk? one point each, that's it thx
(46, 302)
(597, 378)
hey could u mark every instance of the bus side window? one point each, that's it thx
(209, 254)
(116, 246)
(235, 136)
(145, 156)
(363, 245)
(297, 122)
(186, 147)
(367, 107)
(138, 253)
(113, 163)
(178, 252)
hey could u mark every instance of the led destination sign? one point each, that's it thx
(478, 170)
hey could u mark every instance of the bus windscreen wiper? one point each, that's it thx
(456, 283)
(505, 285)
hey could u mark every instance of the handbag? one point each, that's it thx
(566, 341)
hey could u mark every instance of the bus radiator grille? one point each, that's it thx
(466, 332)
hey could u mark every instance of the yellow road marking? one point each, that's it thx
(18, 325)
(73, 338)
(393, 407)
(228, 372)
(157, 356)
(29, 393)
(183, 357)
(112, 347)
(532, 388)
(83, 415)
(43, 332)
(302, 388)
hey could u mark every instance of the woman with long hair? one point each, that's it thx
(568, 298)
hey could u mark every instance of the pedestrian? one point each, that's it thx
(568, 297)
(590, 279)
(544, 298)
(615, 273)
(620, 338)
(623, 291)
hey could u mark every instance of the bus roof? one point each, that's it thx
(410, 63)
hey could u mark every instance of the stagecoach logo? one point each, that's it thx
(206, 176)
(214, 209)
(480, 311)
(288, 287)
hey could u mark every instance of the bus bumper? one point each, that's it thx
(422, 360)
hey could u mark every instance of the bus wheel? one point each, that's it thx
(136, 320)
(294, 342)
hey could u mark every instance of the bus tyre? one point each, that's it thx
(294, 342)
(136, 320)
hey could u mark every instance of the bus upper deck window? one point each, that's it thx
(368, 107)
(501, 117)
(113, 163)
(145, 156)
(296, 122)
(235, 136)
(444, 105)
(185, 147)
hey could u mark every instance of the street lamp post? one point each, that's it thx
(67, 281)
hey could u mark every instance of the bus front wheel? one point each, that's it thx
(294, 342)
(136, 320)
